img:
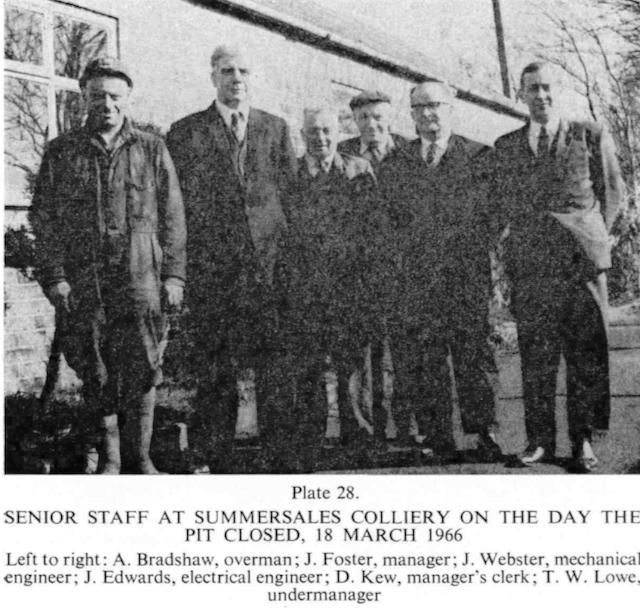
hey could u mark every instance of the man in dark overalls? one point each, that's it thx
(110, 235)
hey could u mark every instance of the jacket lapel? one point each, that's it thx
(218, 136)
(255, 140)
(523, 148)
(218, 139)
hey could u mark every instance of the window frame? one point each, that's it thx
(45, 74)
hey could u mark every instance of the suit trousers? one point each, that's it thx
(310, 356)
(556, 316)
(225, 345)
(423, 364)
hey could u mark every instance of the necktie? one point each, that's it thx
(543, 143)
(431, 154)
(375, 152)
(235, 125)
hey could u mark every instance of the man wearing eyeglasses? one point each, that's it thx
(443, 279)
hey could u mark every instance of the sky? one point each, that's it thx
(460, 34)
(448, 30)
(442, 28)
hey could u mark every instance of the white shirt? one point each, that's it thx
(315, 167)
(552, 127)
(441, 147)
(243, 115)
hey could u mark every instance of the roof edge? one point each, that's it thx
(301, 31)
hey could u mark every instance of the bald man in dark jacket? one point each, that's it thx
(326, 270)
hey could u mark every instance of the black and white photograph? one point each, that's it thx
(294, 238)
(297, 241)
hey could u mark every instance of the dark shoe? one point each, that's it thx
(443, 455)
(488, 450)
(533, 455)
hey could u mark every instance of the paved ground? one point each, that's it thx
(618, 451)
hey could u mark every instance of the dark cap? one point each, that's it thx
(105, 66)
(369, 97)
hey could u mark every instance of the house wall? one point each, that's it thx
(167, 45)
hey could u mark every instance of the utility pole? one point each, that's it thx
(502, 52)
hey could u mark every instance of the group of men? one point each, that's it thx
(296, 265)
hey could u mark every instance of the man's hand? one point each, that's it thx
(58, 295)
(173, 293)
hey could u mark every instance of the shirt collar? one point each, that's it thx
(315, 167)
(226, 111)
(441, 143)
(387, 146)
(125, 134)
(551, 126)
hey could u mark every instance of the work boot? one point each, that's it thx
(144, 432)
(110, 445)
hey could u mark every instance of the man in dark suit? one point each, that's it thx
(442, 281)
(326, 268)
(235, 164)
(557, 184)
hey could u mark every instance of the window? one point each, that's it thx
(46, 47)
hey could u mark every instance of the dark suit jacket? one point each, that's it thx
(574, 198)
(440, 244)
(325, 265)
(235, 219)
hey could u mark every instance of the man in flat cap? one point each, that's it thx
(443, 281)
(325, 268)
(108, 221)
(236, 164)
(372, 114)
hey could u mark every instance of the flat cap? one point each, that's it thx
(369, 97)
(105, 66)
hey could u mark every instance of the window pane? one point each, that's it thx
(69, 110)
(76, 43)
(25, 131)
(23, 35)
